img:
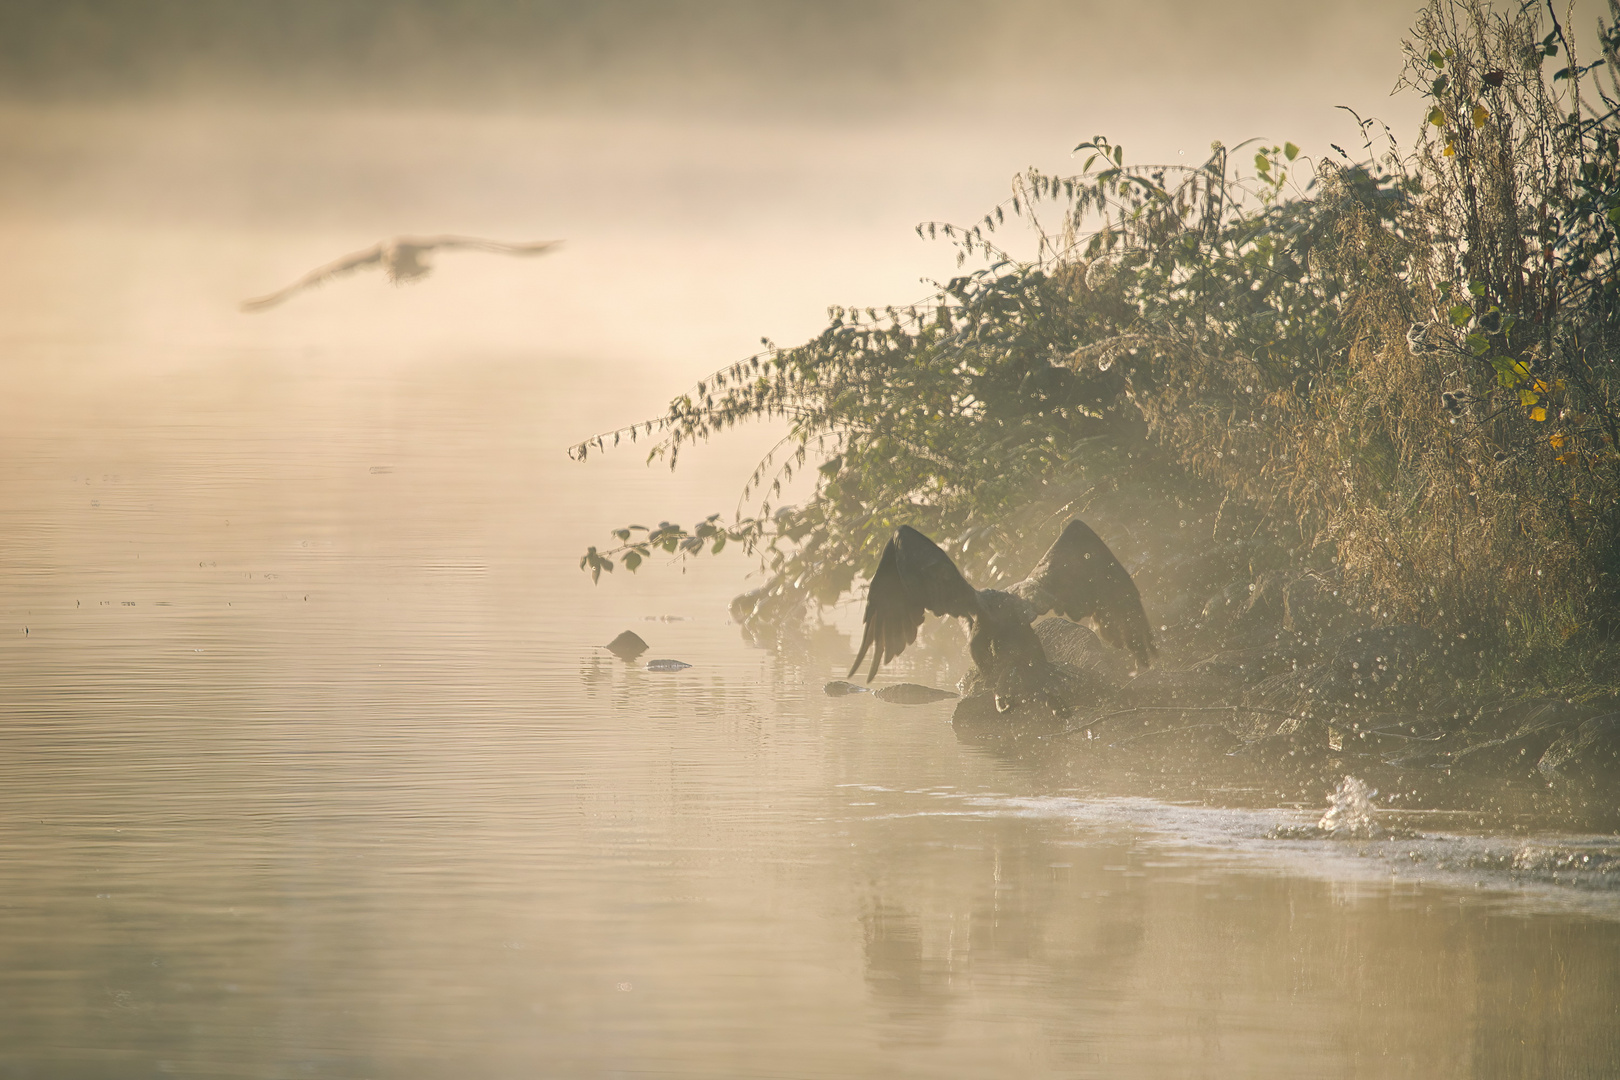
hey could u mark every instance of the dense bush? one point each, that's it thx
(1399, 366)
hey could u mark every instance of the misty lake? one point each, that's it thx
(313, 765)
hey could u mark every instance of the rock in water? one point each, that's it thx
(840, 688)
(667, 665)
(1591, 751)
(627, 646)
(910, 693)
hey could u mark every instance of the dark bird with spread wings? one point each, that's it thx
(1078, 578)
(403, 258)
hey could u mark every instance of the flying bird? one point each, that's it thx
(1078, 577)
(402, 258)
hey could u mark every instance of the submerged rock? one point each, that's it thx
(907, 693)
(627, 646)
(667, 665)
(840, 688)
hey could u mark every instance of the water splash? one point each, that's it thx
(1350, 811)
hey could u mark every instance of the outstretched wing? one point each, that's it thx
(913, 576)
(371, 256)
(535, 247)
(1079, 578)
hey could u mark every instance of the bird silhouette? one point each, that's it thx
(1078, 577)
(402, 258)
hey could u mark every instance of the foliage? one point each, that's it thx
(1403, 365)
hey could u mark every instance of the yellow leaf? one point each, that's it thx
(1481, 114)
(1538, 414)
(1557, 439)
(1437, 116)
(1450, 151)
(1541, 387)
(1527, 397)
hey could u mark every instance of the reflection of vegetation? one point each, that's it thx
(1403, 369)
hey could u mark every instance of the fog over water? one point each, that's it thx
(310, 763)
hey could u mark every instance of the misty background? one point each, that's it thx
(314, 765)
(831, 56)
(720, 172)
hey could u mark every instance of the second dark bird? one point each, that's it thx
(1078, 578)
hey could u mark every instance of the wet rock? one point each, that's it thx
(1076, 646)
(627, 646)
(979, 716)
(1588, 752)
(840, 688)
(912, 694)
(667, 665)
(1056, 687)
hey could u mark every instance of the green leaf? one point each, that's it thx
(1290, 151)
(1437, 116)
(1478, 344)
(1262, 164)
(631, 561)
(1460, 314)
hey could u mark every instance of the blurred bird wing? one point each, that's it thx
(346, 265)
(1080, 578)
(534, 247)
(913, 576)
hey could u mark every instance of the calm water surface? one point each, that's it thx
(311, 767)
